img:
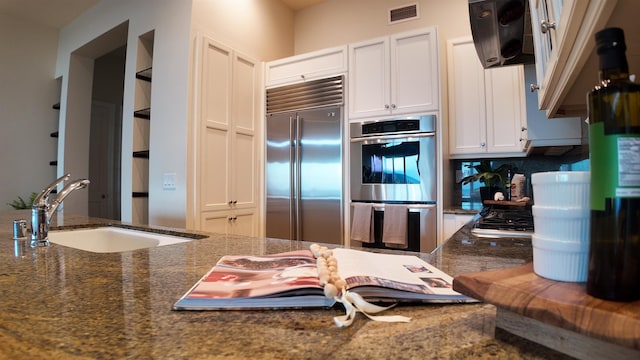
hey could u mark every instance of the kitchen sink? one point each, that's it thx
(110, 239)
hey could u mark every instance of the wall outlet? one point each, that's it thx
(169, 181)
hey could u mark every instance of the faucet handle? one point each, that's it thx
(41, 199)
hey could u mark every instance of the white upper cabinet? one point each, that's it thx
(397, 74)
(309, 66)
(542, 131)
(563, 38)
(487, 112)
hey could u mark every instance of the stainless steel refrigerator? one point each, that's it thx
(304, 175)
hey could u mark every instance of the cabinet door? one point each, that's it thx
(216, 222)
(215, 90)
(369, 91)
(541, 41)
(467, 122)
(309, 66)
(487, 111)
(506, 109)
(244, 149)
(228, 152)
(572, 22)
(414, 72)
(244, 223)
(241, 222)
(542, 131)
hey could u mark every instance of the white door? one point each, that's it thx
(369, 89)
(414, 72)
(244, 148)
(467, 113)
(216, 90)
(506, 109)
(104, 159)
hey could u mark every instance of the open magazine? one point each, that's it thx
(290, 280)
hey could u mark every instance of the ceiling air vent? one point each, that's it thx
(404, 13)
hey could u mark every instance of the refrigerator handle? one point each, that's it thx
(298, 175)
(293, 170)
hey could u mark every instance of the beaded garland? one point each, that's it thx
(336, 288)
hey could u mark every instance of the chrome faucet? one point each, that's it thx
(42, 211)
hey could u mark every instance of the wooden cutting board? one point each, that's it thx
(561, 304)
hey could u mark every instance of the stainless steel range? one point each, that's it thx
(504, 221)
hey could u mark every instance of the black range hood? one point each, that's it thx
(501, 32)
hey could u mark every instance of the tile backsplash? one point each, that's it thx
(468, 196)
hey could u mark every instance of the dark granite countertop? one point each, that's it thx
(59, 302)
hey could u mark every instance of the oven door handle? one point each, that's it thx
(380, 206)
(392, 137)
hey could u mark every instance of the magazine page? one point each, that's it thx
(401, 272)
(236, 281)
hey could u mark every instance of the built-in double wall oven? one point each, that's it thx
(395, 162)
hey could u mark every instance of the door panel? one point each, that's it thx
(320, 206)
(279, 176)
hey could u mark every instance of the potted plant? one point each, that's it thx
(20, 203)
(494, 180)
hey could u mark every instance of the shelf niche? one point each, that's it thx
(141, 129)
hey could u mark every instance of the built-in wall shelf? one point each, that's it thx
(55, 134)
(144, 74)
(141, 129)
(143, 113)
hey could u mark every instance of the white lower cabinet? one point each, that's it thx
(452, 223)
(238, 222)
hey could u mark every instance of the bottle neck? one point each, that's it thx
(613, 66)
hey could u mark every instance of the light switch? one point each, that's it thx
(169, 181)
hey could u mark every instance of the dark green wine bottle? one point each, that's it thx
(614, 146)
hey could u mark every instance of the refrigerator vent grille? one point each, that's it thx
(306, 95)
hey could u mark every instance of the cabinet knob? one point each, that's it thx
(232, 202)
(386, 106)
(393, 106)
(533, 87)
(546, 26)
(523, 129)
(482, 144)
(232, 218)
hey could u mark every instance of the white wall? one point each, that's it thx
(337, 22)
(259, 28)
(28, 90)
(169, 99)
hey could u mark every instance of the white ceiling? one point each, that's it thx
(58, 13)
